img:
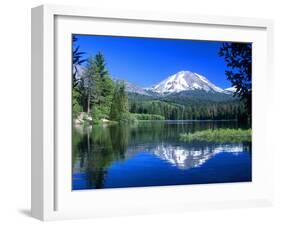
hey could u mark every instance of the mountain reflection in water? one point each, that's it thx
(151, 154)
(189, 157)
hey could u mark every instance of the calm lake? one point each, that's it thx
(151, 154)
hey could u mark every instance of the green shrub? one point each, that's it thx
(218, 135)
(127, 118)
(148, 116)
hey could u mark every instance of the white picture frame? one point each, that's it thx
(52, 197)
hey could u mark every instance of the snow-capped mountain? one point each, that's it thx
(229, 90)
(185, 81)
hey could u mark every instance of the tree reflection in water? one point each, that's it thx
(96, 148)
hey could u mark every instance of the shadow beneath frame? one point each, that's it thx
(26, 212)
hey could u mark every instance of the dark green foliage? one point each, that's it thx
(187, 109)
(114, 111)
(107, 89)
(148, 116)
(110, 144)
(195, 96)
(238, 57)
(99, 65)
(120, 105)
(97, 89)
(76, 106)
(97, 94)
(77, 60)
(91, 85)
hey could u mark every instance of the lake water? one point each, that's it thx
(151, 154)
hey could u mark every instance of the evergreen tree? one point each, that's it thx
(77, 61)
(114, 111)
(106, 85)
(76, 105)
(99, 64)
(92, 85)
(238, 57)
(120, 105)
(99, 88)
(124, 104)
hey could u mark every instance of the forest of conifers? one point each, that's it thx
(102, 98)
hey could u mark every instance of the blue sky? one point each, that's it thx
(147, 61)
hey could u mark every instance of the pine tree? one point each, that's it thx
(124, 104)
(99, 65)
(99, 88)
(238, 57)
(114, 111)
(104, 84)
(77, 61)
(120, 105)
(92, 85)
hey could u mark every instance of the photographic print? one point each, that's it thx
(158, 112)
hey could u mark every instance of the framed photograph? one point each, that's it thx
(137, 112)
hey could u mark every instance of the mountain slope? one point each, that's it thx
(199, 96)
(132, 88)
(229, 90)
(185, 81)
(184, 88)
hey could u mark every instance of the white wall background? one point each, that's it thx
(15, 111)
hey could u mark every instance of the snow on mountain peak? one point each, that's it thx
(230, 90)
(184, 81)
